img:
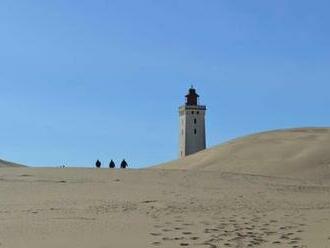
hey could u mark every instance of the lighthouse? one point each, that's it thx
(192, 137)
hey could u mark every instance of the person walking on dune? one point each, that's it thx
(112, 164)
(123, 164)
(98, 164)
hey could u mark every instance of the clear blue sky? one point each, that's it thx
(88, 79)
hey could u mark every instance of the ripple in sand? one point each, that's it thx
(155, 234)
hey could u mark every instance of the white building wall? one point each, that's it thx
(192, 130)
(182, 134)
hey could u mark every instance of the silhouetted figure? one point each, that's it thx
(98, 164)
(112, 164)
(123, 164)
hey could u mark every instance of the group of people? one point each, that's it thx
(112, 164)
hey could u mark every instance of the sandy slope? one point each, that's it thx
(159, 208)
(266, 190)
(4, 163)
(296, 153)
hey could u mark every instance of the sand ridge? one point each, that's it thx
(4, 163)
(296, 153)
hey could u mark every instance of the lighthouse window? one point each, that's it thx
(193, 112)
(198, 112)
(195, 131)
(195, 120)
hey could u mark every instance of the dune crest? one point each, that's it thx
(4, 163)
(297, 153)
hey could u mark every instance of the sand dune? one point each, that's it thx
(4, 163)
(83, 208)
(296, 153)
(251, 192)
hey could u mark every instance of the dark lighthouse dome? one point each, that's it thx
(192, 97)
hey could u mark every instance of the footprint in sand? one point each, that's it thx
(284, 236)
(187, 224)
(149, 201)
(293, 242)
(211, 230)
(269, 233)
(197, 238)
(210, 245)
(156, 234)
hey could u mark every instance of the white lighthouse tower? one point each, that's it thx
(192, 125)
